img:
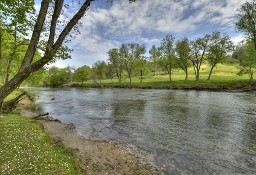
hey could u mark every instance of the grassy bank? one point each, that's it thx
(224, 77)
(26, 149)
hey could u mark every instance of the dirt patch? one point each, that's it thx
(95, 157)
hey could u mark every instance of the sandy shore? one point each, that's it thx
(95, 157)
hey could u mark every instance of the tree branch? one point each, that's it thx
(57, 11)
(71, 24)
(36, 35)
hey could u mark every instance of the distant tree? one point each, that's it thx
(155, 55)
(219, 48)
(237, 52)
(100, 69)
(81, 74)
(142, 68)
(248, 60)
(168, 54)
(131, 53)
(57, 76)
(115, 63)
(110, 72)
(36, 79)
(246, 20)
(183, 51)
(199, 50)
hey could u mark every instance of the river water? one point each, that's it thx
(189, 132)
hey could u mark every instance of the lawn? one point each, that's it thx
(26, 149)
(224, 76)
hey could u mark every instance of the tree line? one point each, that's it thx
(129, 61)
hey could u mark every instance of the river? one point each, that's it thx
(189, 132)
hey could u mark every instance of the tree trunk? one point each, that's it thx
(251, 74)
(154, 70)
(197, 74)
(11, 56)
(27, 65)
(141, 74)
(211, 72)
(186, 72)
(170, 71)
(130, 81)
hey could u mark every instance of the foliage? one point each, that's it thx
(183, 51)
(248, 61)
(82, 74)
(57, 76)
(131, 54)
(155, 54)
(168, 54)
(199, 49)
(219, 48)
(100, 68)
(115, 63)
(27, 149)
(246, 20)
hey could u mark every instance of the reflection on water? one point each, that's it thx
(189, 132)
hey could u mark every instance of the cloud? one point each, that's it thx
(147, 22)
(237, 39)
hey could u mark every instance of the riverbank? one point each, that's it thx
(95, 157)
(203, 85)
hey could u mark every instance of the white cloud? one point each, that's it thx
(237, 39)
(147, 21)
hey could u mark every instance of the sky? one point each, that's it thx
(108, 25)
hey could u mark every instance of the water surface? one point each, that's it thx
(189, 132)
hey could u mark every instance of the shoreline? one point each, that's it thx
(187, 85)
(94, 157)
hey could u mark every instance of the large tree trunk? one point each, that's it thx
(27, 66)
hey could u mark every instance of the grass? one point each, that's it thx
(224, 76)
(14, 94)
(26, 149)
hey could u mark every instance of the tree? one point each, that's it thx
(116, 62)
(155, 54)
(81, 74)
(246, 21)
(100, 69)
(131, 53)
(168, 54)
(199, 50)
(183, 52)
(57, 76)
(53, 42)
(248, 59)
(218, 50)
(13, 29)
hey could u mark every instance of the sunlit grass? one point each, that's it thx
(13, 94)
(26, 149)
(224, 76)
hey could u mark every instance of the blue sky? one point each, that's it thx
(107, 25)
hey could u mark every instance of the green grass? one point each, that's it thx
(26, 149)
(14, 94)
(224, 77)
